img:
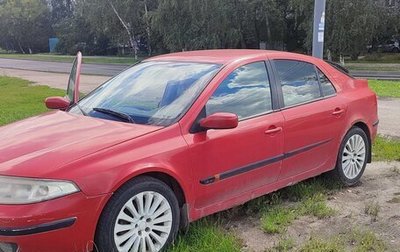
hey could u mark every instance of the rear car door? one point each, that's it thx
(228, 163)
(314, 117)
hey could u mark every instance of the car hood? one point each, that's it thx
(57, 138)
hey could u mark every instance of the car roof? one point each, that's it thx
(223, 56)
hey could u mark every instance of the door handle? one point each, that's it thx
(273, 130)
(338, 111)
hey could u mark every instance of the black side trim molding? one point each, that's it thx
(375, 123)
(256, 165)
(50, 226)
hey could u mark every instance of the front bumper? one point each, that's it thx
(63, 224)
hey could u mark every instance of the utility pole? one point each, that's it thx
(319, 29)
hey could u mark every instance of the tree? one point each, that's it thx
(25, 25)
(351, 26)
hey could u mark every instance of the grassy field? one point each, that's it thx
(276, 211)
(18, 99)
(386, 149)
(373, 66)
(69, 58)
(380, 58)
(385, 88)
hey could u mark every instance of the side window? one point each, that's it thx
(326, 84)
(299, 81)
(245, 92)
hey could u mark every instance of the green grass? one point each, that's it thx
(284, 245)
(386, 149)
(354, 240)
(322, 245)
(375, 67)
(380, 58)
(385, 88)
(366, 241)
(18, 99)
(316, 206)
(375, 62)
(206, 236)
(276, 219)
(70, 58)
(305, 198)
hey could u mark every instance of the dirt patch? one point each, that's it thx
(379, 190)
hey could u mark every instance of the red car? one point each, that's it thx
(175, 138)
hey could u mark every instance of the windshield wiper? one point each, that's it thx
(114, 113)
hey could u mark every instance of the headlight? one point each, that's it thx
(15, 190)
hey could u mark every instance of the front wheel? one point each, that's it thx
(141, 216)
(352, 158)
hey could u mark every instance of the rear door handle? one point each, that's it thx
(338, 111)
(273, 130)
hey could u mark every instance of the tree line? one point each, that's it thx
(100, 27)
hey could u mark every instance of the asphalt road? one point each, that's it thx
(113, 69)
(61, 67)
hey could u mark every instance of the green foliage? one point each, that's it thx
(351, 25)
(284, 245)
(19, 99)
(320, 245)
(316, 206)
(385, 88)
(353, 240)
(206, 236)
(307, 198)
(386, 149)
(24, 25)
(277, 219)
(103, 26)
(382, 58)
(366, 241)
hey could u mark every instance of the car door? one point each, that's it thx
(313, 116)
(227, 163)
(74, 80)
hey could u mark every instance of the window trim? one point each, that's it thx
(279, 86)
(272, 89)
(319, 80)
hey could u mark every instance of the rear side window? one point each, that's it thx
(245, 92)
(299, 81)
(326, 84)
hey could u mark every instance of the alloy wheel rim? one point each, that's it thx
(353, 157)
(144, 223)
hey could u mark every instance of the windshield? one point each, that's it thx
(154, 93)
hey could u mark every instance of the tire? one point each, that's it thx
(140, 222)
(352, 157)
(396, 50)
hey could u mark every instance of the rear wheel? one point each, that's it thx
(352, 158)
(141, 216)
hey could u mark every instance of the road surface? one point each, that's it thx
(61, 67)
(113, 69)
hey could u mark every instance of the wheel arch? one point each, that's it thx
(171, 181)
(362, 125)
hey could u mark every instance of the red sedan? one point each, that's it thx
(175, 138)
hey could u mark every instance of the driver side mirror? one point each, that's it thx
(220, 121)
(57, 102)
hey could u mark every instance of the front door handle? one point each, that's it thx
(273, 130)
(338, 111)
